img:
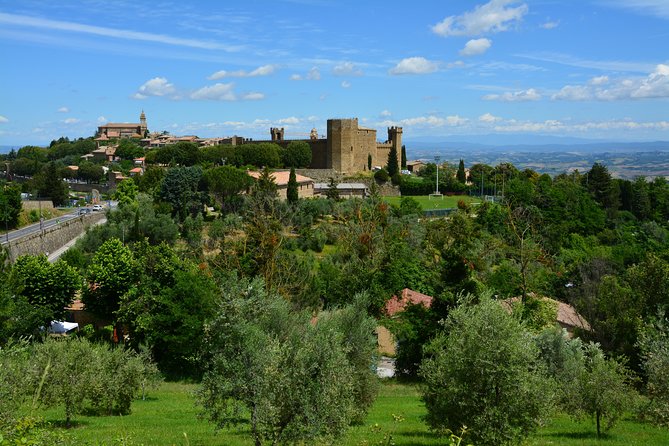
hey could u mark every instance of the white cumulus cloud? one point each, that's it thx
(385, 114)
(264, 70)
(295, 77)
(345, 84)
(475, 47)
(3, 119)
(494, 16)
(430, 121)
(550, 24)
(253, 96)
(63, 110)
(101, 119)
(158, 86)
(489, 118)
(314, 74)
(414, 65)
(70, 121)
(216, 92)
(602, 88)
(516, 96)
(346, 69)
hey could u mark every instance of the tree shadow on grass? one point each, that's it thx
(417, 434)
(583, 435)
(74, 424)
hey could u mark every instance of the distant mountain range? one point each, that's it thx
(524, 143)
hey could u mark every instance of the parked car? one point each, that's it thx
(84, 211)
(97, 207)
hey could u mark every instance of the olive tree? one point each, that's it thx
(73, 374)
(589, 383)
(483, 372)
(297, 379)
(654, 346)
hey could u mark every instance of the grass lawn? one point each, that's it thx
(169, 417)
(446, 202)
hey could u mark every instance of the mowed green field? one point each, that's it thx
(427, 203)
(170, 417)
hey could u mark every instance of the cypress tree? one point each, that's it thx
(403, 162)
(369, 161)
(291, 193)
(393, 168)
(461, 175)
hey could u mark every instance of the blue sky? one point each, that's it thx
(594, 69)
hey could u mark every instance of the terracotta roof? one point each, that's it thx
(566, 314)
(281, 177)
(121, 125)
(395, 305)
(136, 170)
(76, 305)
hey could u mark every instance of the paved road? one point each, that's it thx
(36, 227)
(52, 257)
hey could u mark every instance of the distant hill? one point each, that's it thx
(557, 145)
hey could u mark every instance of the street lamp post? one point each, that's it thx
(436, 187)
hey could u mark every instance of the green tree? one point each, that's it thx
(599, 183)
(128, 150)
(34, 153)
(654, 346)
(49, 183)
(259, 155)
(294, 378)
(332, 192)
(369, 161)
(483, 373)
(180, 189)
(462, 175)
(50, 286)
(69, 373)
(10, 204)
(297, 154)
(169, 308)
(126, 192)
(603, 388)
(291, 193)
(151, 180)
(112, 273)
(90, 172)
(227, 181)
(392, 166)
(641, 206)
(403, 162)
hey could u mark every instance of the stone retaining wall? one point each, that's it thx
(54, 237)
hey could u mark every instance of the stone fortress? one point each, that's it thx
(345, 148)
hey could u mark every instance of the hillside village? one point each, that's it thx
(368, 269)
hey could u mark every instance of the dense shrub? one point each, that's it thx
(381, 175)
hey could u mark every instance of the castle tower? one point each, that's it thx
(341, 139)
(277, 133)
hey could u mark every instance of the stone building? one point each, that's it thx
(346, 147)
(113, 130)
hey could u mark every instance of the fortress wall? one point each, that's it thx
(319, 154)
(365, 144)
